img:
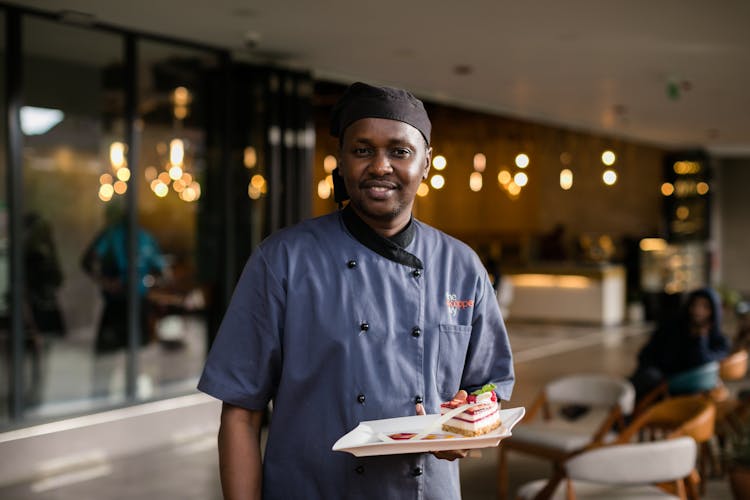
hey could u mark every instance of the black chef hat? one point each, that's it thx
(366, 101)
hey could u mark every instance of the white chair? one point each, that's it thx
(547, 434)
(623, 471)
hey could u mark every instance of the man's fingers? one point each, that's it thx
(451, 455)
(420, 409)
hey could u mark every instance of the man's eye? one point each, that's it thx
(361, 151)
(401, 152)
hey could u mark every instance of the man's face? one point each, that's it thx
(700, 310)
(382, 163)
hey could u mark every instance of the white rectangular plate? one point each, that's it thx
(363, 440)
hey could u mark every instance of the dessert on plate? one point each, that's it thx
(482, 413)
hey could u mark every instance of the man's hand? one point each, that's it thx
(447, 454)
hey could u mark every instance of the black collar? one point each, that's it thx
(391, 248)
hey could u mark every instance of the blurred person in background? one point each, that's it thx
(106, 261)
(691, 339)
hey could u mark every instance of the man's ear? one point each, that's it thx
(428, 162)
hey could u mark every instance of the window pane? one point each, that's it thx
(171, 188)
(72, 88)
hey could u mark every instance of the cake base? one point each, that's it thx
(472, 433)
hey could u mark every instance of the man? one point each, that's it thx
(358, 315)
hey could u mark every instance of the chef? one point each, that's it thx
(358, 315)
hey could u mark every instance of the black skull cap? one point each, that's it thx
(361, 100)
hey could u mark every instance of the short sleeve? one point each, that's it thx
(243, 365)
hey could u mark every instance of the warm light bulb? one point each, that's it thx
(437, 181)
(667, 189)
(176, 152)
(117, 154)
(439, 162)
(120, 187)
(249, 157)
(123, 174)
(105, 179)
(161, 190)
(522, 160)
(566, 178)
(423, 189)
(258, 181)
(475, 182)
(480, 162)
(324, 190)
(503, 177)
(253, 192)
(609, 177)
(514, 188)
(329, 163)
(181, 96)
(702, 188)
(106, 191)
(175, 173)
(521, 179)
(608, 158)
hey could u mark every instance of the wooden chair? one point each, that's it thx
(660, 469)
(731, 369)
(700, 380)
(693, 416)
(545, 433)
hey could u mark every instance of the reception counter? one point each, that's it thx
(581, 294)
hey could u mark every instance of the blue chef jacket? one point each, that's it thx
(335, 333)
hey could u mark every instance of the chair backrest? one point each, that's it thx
(700, 379)
(734, 366)
(636, 463)
(592, 389)
(693, 416)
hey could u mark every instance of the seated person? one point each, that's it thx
(693, 339)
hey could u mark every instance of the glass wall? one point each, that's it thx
(172, 104)
(72, 113)
(143, 171)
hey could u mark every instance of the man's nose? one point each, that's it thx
(381, 163)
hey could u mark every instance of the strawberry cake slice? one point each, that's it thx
(481, 416)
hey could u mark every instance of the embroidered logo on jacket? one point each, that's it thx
(454, 304)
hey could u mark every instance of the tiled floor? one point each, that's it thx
(189, 471)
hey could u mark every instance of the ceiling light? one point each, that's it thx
(521, 179)
(475, 181)
(566, 178)
(609, 177)
(439, 162)
(480, 162)
(522, 160)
